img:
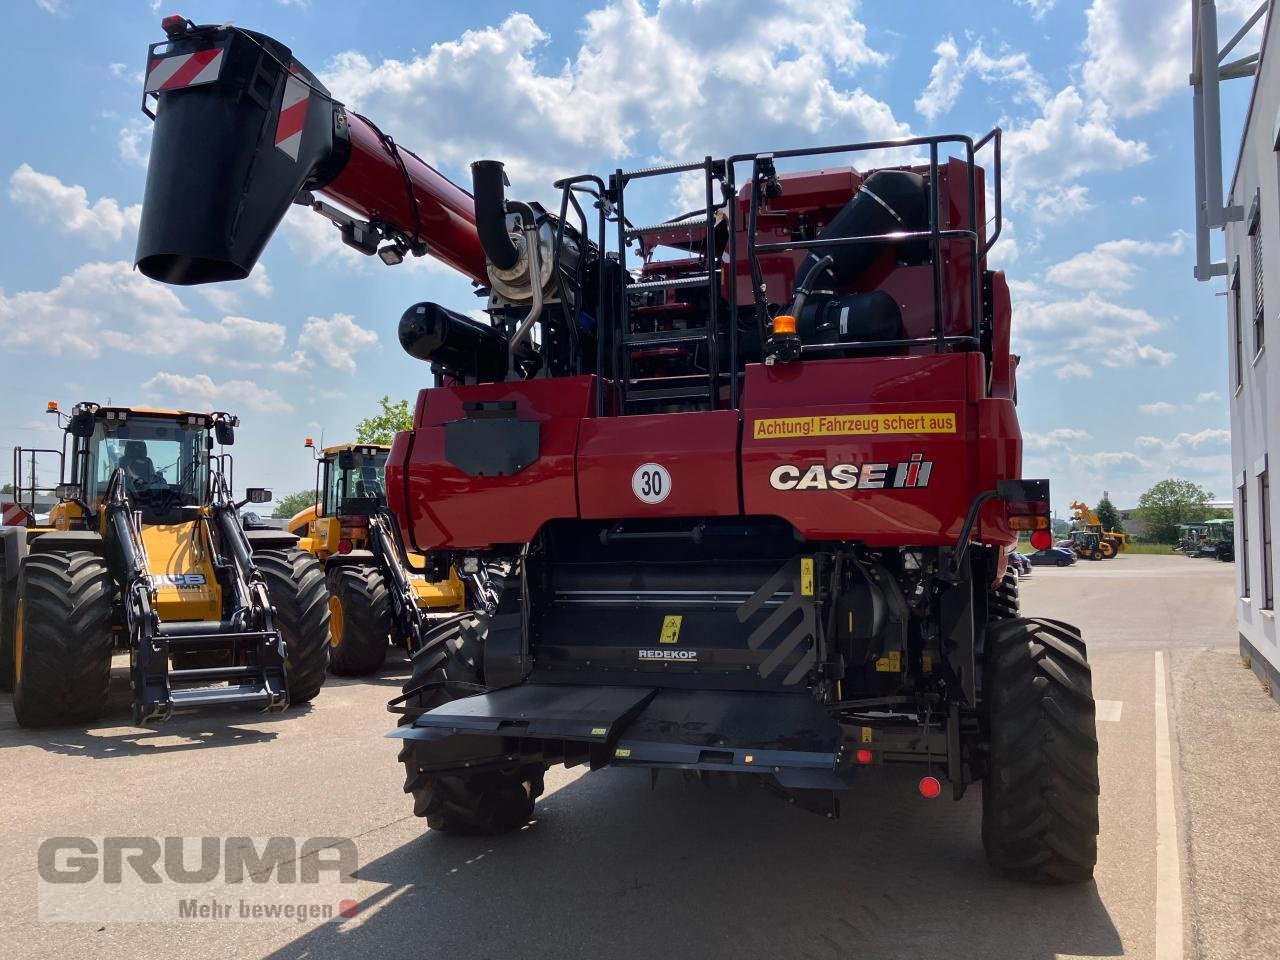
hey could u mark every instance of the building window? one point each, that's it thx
(1264, 515)
(1242, 525)
(1255, 269)
(1237, 324)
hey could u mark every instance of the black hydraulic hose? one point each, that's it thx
(488, 185)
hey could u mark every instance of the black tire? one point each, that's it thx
(1002, 601)
(296, 588)
(493, 801)
(1040, 793)
(359, 620)
(63, 627)
(8, 614)
(1064, 563)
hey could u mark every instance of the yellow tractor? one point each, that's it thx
(144, 551)
(379, 592)
(1096, 543)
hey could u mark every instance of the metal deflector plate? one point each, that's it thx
(590, 714)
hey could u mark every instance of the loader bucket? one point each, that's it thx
(240, 128)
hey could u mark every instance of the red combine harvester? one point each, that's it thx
(732, 493)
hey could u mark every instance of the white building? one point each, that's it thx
(1249, 217)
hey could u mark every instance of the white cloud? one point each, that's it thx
(1139, 53)
(1109, 266)
(110, 304)
(704, 77)
(1085, 330)
(946, 79)
(134, 143)
(51, 201)
(225, 297)
(51, 6)
(1209, 396)
(335, 339)
(1038, 8)
(1073, 371)
(1069, 140)
(201, 391)
(1060, 437)
(1209, 437)
(1158, 407)
(1137, 200)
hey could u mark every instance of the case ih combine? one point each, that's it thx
(733, 492)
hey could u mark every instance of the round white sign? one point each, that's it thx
(651, 483)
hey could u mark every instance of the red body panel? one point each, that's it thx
(699, 450)
(916, 433)
(446, 507)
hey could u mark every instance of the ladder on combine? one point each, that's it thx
(641, 394)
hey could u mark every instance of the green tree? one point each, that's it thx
(1108, 515)
(1171, 502)
(382, 427)
(7, 488)
(286, 507)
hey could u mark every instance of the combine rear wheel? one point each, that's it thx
(296, 587)
(1040, 794)
(359, 620)
(62, 639)
(1002, 601)
(493, 801)
(8, 614)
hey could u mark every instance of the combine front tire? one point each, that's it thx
(1040, 793)
(62, 639)
(1002, 602)
(296, 588)
(359, 620)
(493, 801)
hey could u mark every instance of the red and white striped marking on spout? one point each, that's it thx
(183, 70)
(12, 515)
(293, 113)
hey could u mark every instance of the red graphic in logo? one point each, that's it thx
(348, 908)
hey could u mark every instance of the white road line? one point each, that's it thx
(1108, 711)
(1168, 866)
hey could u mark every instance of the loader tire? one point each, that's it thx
(489, 802)
(1040, 792)
(62, 639)
(8, 614)
(296, 587)
(359, 620)
(1002, 601)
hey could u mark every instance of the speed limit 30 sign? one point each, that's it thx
(651, 483)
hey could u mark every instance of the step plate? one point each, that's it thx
(553, 712)
(786, 735)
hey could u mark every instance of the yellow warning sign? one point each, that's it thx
(853, 425)
(866, 734)
(670, 629)
(806, 576)
(599, 731)
(622, 752)
(890, 662)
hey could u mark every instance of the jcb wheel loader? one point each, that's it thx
(145, 552)
(379, 594)
(739, 487)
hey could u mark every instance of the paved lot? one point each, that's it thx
(612, 869)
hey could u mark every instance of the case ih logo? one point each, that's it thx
(914, 472)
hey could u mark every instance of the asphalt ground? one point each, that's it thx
(613, 868)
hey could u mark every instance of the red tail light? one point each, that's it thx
(344, 546)
(1042, 540)
(930, 788)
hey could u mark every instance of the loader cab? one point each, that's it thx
(163, 457)
(350, 487)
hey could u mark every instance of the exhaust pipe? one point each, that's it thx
(488, 186)
(240, 129)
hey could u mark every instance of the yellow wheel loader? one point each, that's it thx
(1110, 542)
(379, 593)
(144, 551)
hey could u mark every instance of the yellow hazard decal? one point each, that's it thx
(866, 734)
(926, 662)
(853, 425)
(806, 576)
(599, 731)
(890, 662)
(670, 629)
(622, 752)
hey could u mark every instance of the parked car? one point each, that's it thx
(1052, 557)
(1020, 563)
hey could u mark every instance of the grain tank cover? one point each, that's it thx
(240, 128)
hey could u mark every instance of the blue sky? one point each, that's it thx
(1124, 376)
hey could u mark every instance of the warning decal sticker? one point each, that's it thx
(853, 425)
